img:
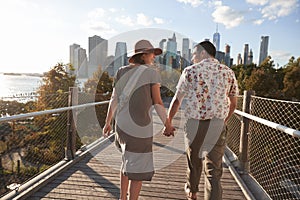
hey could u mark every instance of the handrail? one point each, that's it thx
(290, 131)
(44, 112)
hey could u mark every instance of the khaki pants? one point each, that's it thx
(206, 144)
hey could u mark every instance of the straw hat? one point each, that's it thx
(144, 46)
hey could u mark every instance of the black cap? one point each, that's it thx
(209, 47)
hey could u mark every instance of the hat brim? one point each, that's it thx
(156, 51)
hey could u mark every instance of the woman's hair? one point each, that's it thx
(137, 59)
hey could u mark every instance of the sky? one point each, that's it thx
(36, 34)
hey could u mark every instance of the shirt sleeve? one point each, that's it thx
(182, 86)
(116, 78)
(154, 77)
(234, 91)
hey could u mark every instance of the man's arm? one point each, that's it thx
(174, 107)
(232, 106)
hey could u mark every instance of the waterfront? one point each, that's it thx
(18, 85)
(15, 87)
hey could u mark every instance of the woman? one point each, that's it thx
(136, 92)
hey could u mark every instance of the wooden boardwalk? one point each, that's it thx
(96, 175)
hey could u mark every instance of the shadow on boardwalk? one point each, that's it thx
(96, 176)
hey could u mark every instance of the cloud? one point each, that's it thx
(159, 20)
(96, 13)
(194, 3)
(280, 56)
(98, 26)
(227, 16)
(258, 21)
(113, 10)
(98, 22)
(125, 20)
(103, 20)
(257, 2)
(142, 19)
(278, 8)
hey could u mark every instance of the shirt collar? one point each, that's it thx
(209, 60)
(214, 60)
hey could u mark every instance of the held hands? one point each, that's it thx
(169, 129)
(106, 130)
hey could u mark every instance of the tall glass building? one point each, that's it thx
(216, 39)
(120, 56)
(263, 53)
(98, 48)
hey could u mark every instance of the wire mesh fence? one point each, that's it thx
(273, 155)
(234, 129)
(30, 145)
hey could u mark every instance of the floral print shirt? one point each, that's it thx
(206, 86)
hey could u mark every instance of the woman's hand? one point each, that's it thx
(106, 130)
(169, 129)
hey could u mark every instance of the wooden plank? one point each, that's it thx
(97, 175)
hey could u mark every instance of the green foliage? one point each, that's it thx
(267, 81)
(47, 145)
(242, 74)
(292, 79)
(169, 82)
(100, 85)
(15, 107)
(262, 83)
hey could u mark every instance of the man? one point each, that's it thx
(210, 89)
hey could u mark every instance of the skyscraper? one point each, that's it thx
(246, 52)
(160, 58)
(78, 60)
(171, 52)
(239, 59)
(72, 49)
(120, 56)
(220, 56)
(263, 53)
(161, 44)
(98, 48)
(227, 55)
(250, 58)
(185, 53)
(216, 39)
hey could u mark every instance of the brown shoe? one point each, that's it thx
(189, 195)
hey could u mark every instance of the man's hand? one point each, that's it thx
(169, 129)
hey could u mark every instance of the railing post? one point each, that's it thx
(71, 129)
(243, 151)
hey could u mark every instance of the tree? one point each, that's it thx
(56, 82)
(268, 65)
(100, 87)
(291, 80)
(47, 145)
(99, 83)
(262, 83)
(242, 74)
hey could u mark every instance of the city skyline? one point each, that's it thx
(36, 35)
(174, 56)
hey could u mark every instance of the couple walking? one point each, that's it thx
(210, 89)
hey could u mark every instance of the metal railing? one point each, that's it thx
(264, 136)
(31, 143)
(265, 140)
